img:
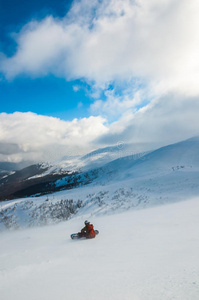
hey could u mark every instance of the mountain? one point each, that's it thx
(97, 158)
(40, 179)
(28, 181)
(168, 174)
(8, 168)
(176, 162)
(182, 155)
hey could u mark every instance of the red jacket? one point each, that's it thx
(91, 231)
(88, 231)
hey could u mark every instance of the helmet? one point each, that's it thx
(86, 222)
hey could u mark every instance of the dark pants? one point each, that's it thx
(82, 234)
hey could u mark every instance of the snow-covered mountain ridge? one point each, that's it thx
(168, 174)
(39, 179)
(96, 158)
(182, 156)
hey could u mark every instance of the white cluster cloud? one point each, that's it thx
(161, 122)
(114, 40)
(46, 138)
(117, 105)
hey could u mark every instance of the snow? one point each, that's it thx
(94, 159)
(97, 199)
(146, 209)
(148, 254)
(110, 193)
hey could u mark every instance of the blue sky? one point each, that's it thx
(78, 75)
(14, 14)
(48, 95)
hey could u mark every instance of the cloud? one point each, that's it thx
(163, 121)
(38, 137)
(104, 41)
(32, 137)
(118, 104)
(9, 148)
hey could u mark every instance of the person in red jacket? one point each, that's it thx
(88, 231)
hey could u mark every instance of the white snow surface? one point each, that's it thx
(146, 209)
(166, 175)
(94, 159)
(149, 254)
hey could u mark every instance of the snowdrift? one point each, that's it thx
(149, 254)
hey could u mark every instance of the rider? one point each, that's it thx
(88, 231)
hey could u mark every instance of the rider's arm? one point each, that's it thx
(83, 229)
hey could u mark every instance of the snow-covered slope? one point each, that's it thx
(166, 175)
(183, 155)
(97, 158)
(142, 254)
(39, 179)
(149, 254)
